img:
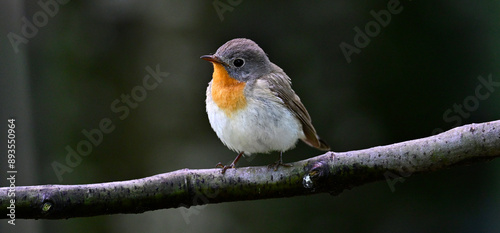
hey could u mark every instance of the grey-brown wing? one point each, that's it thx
(280, 85)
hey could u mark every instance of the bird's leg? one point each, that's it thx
(279, 162)
(232, 165)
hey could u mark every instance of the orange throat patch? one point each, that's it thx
(227, 92)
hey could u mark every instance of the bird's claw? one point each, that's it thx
(224, 167)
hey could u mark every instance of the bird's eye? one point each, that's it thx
(238, 62)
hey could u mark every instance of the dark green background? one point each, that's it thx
(427, 59)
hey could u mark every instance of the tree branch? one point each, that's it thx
(331, 172)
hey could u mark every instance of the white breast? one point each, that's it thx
(264, 125)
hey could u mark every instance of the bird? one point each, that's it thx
(251, 105)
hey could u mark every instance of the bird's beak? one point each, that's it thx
(213, 58)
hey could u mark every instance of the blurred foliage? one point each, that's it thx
(426, 59)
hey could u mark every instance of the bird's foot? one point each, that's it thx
(279, 163)
(232, 165)
(224, 167)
